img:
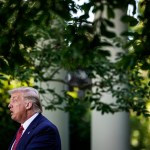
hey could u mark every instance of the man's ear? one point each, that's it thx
(28, 105)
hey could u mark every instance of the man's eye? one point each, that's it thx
(14, 100)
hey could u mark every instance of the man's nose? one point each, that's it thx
(9, 105)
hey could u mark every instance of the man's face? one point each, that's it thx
(17, 107)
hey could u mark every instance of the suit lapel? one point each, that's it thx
(25, 139)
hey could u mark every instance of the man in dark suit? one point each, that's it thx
(38, 132)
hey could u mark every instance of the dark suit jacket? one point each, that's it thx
(41, 134)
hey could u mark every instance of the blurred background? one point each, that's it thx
(90, 62)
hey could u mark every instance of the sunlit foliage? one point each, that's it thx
(39, 39)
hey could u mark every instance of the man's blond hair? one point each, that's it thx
(31, 94)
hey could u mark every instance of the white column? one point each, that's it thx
(111, 131)
(58, 117)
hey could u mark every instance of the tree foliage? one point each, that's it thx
(38, 39)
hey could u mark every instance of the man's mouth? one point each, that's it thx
(11, 112)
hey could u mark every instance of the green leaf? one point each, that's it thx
(108, 23)
(130, 20)
(110, 12)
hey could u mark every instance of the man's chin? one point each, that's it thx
(12, 117)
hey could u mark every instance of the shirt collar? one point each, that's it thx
(27, 122)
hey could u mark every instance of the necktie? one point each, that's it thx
(18, 136)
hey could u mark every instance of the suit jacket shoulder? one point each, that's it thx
(41, 134)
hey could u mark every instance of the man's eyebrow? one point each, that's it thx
(12, 97)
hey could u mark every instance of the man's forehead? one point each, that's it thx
(16, 93)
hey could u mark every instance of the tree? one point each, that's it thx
(38, 39)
